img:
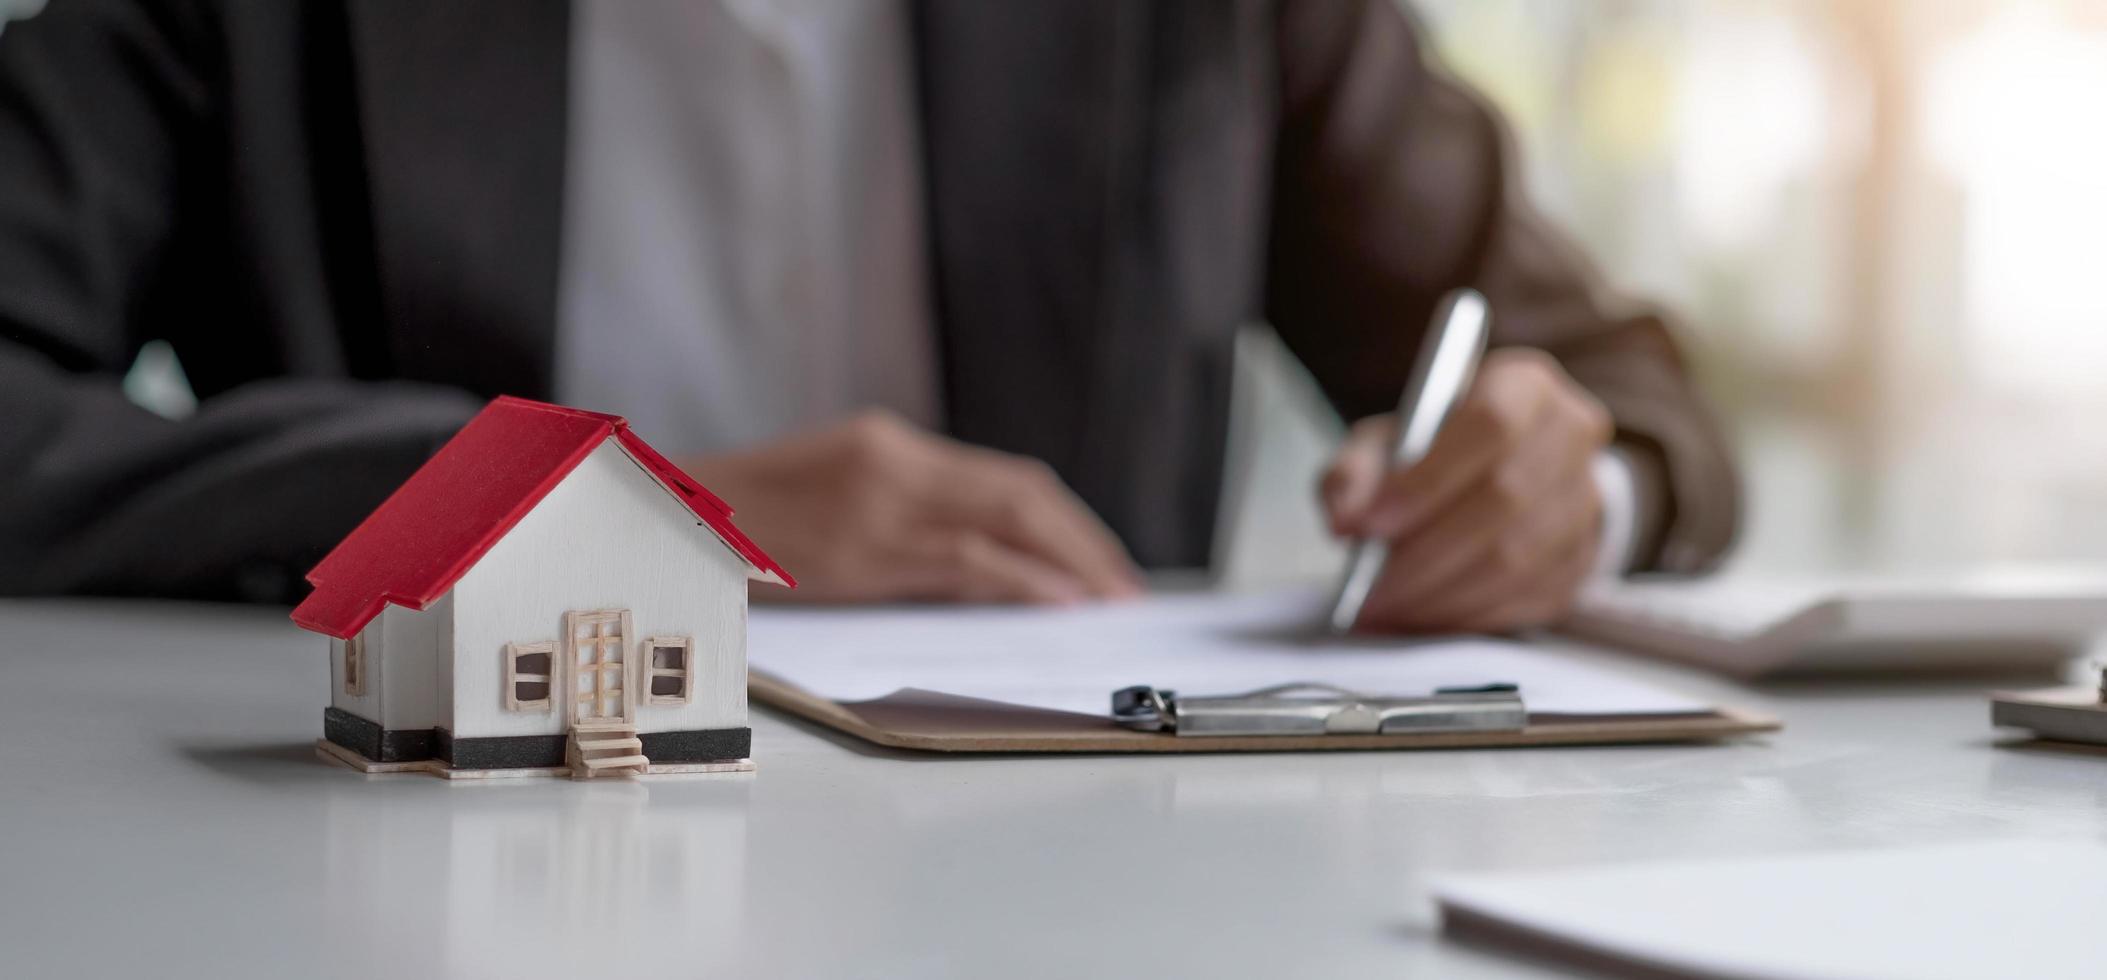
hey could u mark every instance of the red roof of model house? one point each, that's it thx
(441, 521)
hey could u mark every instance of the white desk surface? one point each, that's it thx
(162, 814)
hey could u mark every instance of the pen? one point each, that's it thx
(1447, 359)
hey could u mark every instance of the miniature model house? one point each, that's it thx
(546, 594)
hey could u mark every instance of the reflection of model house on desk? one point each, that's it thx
(546, 594)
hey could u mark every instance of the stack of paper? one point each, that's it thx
(1201, 644)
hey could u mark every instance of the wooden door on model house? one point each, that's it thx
(603, 737)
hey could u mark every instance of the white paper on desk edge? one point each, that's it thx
(1985, 909)
(1198, 644)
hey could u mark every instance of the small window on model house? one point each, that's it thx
(667, 658)
(355, 665)
(529, 668)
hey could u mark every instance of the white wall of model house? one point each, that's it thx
(413, 687)
(405, 687)
(609, 536)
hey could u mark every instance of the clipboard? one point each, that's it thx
(932, 721)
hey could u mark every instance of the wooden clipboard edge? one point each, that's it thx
(1722, 723)
(2072, 715)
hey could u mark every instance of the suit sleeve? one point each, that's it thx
(107, 127)
(1393, 184)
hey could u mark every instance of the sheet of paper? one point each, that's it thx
(1197, 644)
(1946, 912)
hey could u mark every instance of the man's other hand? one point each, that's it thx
(1498, 526)
(877, 510)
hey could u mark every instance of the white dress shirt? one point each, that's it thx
(743, 250)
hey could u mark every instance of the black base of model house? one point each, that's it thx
(518, 751)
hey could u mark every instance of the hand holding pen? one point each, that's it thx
(1497, 525)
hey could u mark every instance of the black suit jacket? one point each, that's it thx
(345, 216)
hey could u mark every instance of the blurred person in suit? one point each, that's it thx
(940, 294)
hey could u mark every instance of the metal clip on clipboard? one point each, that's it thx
(1320, 709)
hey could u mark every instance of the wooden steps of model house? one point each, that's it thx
(605, 750)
